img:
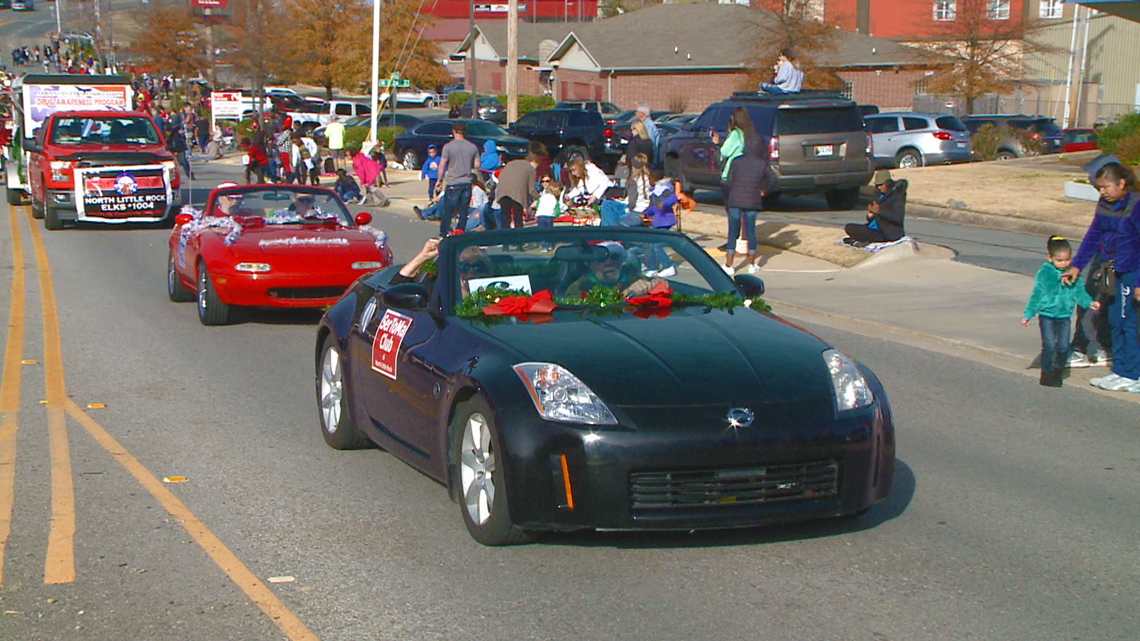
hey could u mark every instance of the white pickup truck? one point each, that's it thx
(341, 108)
(410, 97)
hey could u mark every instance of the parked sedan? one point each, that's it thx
(1079, 140)
(406, 121)
(568, 390)
(410, 147)
(484, 108)
(909, 139)
(269, 246)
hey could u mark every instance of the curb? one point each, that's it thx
(994, 221)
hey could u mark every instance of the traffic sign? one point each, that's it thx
(385, 82)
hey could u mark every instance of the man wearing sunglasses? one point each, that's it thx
(614, 270)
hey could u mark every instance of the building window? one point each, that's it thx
(998, 10)
(920, 88)
(945, 10)
(848, 89)
(1051, 9)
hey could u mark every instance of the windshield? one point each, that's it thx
(104, 130)
(282, 206)
(580, 269)
(485, 129)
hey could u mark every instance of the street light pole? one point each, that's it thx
(513, 60)
(375, 69)
(471, 56)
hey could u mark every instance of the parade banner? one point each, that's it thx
(41, 101)
(118, 194)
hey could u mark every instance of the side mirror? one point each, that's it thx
(182, 219)
(411, 296)
(363, 218)
(751, 286)
(30, 145)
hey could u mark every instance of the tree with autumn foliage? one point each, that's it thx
(796, 26)
(170, 41)
(980, 49)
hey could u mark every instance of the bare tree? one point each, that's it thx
(798, 27)
(980, 48)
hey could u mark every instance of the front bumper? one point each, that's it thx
(281, 289)
(63, 201)
(674, 479)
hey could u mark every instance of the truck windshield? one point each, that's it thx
(104, 130)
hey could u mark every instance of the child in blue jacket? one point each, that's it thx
(1052, 301)
(430, 170)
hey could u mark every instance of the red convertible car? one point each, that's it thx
(269, 246)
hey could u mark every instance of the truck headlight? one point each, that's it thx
(58, 167)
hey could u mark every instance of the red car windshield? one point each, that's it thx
(104, 130)
(282, 206)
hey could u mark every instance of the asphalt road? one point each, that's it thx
(1013, 517)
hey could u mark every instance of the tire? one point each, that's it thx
(211, 310)
(483, 499)
(771, 200)
(674, 169)
(51, 218)
(37, 212)
(428, 103)
(909, 159)
(174, 289)
(411, 160)
(15, 196)
(1004, 155)
(843, 199)
(337, 428)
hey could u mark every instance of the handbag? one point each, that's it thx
(1104, 279)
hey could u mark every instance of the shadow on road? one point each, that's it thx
(888, 510)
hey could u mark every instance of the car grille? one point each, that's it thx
(737, 486)
(302, 293)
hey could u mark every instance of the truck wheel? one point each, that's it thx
(843, 199)
(51, 218)
(428, 103)
(15, 196)
(37, 212)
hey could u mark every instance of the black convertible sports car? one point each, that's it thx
(602, 378)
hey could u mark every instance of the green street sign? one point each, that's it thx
(394, 83)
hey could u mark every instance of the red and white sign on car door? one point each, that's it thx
(386, 346)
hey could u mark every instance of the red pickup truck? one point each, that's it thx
(101, 166)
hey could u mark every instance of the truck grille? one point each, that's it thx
(738, 486)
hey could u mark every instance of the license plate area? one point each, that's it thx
(823, 150)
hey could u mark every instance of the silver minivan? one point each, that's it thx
(910, 139)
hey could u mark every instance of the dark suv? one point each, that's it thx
(561, 128)
(816, 143)
(1040, 128)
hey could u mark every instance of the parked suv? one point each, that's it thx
(909, 139)
(484, 108)
(1041, 128)
(816, 143)
(561, 128)
(607, 109)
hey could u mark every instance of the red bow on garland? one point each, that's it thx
(656, 303)
(540, 303)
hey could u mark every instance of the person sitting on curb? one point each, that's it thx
(884, 215)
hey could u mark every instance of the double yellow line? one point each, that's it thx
(59, 564)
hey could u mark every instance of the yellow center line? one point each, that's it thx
(10, 389)
(246, 580)
(59, 566)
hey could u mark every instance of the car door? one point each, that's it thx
(525, 127)
(883, 130)
(401, 387)
(431, 133)
(699, 156)
(550, 130)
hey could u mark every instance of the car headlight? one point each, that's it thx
(851, 390)
(558, 395)
(256, 268)
(169, 164)
(367, 264)
(57, 169)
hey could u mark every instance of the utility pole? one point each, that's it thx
(471, 56)
(111, 34)
(58, 19)
(513, 60)
(98, 27)
(210, 46)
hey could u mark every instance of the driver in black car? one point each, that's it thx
(613, 271)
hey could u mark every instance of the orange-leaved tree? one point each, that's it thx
(170, 41)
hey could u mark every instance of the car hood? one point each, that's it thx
(691, 358)
(307, 241)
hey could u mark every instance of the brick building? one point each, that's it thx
(708, 54)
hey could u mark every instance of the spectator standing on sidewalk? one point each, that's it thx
(885, 214)
(459, 159)
(430, 170)
(644, 115)
(1052, 301)
(335, 133)
(740, 131)
(1092, 341)
(1117, 215)
(749, 179)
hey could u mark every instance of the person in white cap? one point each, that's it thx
(227, 204)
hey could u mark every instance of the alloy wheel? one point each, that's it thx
(477, 468)
(332, 390)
